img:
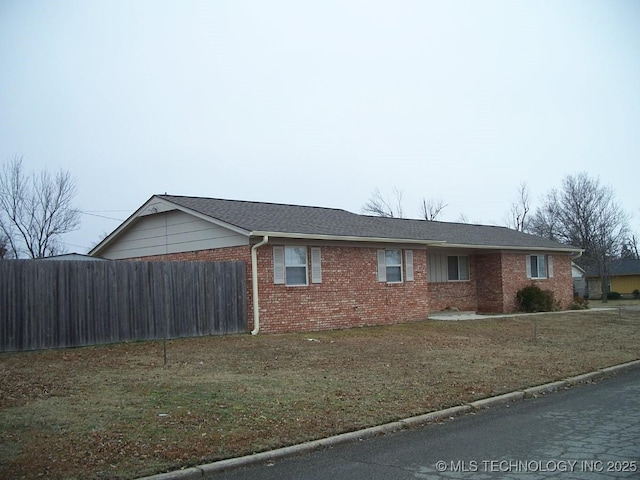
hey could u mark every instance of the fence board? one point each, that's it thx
(53, 304)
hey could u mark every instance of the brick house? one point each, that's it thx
(311, 268)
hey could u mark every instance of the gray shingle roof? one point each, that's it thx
(618, 267)
(296, 219)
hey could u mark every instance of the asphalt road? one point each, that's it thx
(584, 432)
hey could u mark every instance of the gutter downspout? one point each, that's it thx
(254, 284)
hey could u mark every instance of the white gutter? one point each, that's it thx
(347, 238)
(408, 241)
(511, 248)
(254, 284)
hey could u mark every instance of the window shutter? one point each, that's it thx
(528, 266)
(316, 265)
(408, 260)
(278, 264)
(550, 266)
(382, 266)
(463, 266)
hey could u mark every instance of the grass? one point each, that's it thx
(117, 412)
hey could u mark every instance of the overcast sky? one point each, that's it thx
(320, 103)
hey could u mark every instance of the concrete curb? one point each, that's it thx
(585, 378)
(546, 388)
(497, 400)
(412, 422)
(432, 417)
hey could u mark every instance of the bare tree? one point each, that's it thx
(35, 210)
(584, 213)
(430, 209)
(381, 206)
(519, 215)
(463, 218)
(630, 248)
(4, 244)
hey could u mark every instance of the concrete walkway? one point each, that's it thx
(457, 316)
(412, 422)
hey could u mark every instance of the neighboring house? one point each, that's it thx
(311, 268)
(579, 281)
(624, 278)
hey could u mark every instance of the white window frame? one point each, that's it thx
(384, 265)
(459, 270)
(289, 265)
(547, 267)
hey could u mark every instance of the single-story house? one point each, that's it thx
(624, 278)
(313, 268)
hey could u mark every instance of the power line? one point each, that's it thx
(104, 216)
(103, 211)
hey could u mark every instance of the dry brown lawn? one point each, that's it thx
(117, 412)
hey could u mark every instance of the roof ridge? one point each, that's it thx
(165, 195)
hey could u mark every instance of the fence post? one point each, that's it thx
(165, 351)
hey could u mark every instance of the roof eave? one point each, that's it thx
(514, 248)
(411, 241)
(344, 238)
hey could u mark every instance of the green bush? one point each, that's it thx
(636, 293)
(613, 296)
(534, 299)
(579, 303)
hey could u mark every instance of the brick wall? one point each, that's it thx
(501, 275)
(349, 295)
(515, 278)
(490, 283)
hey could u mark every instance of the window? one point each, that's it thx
(290, 265)
(539, 266)
(448, 268)
(295, 265)
(394, 265)
(390, 266)
(457, 268)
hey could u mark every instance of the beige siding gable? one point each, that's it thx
(155, 206)
(171, 232)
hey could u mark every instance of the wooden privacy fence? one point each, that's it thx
(51, 304)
